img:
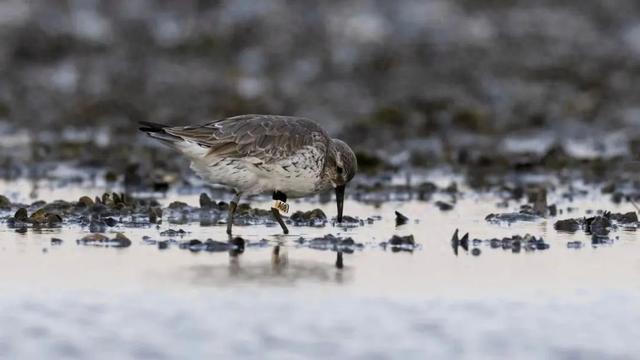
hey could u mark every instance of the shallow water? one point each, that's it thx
(425, 302)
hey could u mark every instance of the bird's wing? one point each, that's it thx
(265, 137)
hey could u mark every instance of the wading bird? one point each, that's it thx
(288, 157)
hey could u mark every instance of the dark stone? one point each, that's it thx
(93, 239)
(216, 246)
(85, 201)
(598, 225)
(313, 217)
(443, 206)
(121, 241)
(238, 243)
(223, 206)
(516, 246)
(609, 188)
(464, 242)
(5, 203)
(99, 209)
(476, 252)
(617, 197)
(193, 245)
(350, 220)
(628, 218)
(38, 217)
(155, 215)
(402, 241)
(178, 205)
(541, 245)
(426, 189)
(53, 219)
(455, 242)
(56, 241)
(21, 215)
(569, 225)
(206, 202)
(401, 219)
(97, 226)
(111, 222)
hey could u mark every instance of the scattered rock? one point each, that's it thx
(206, 202)
(425, 190)
(402, 240)
(53, 219)
(178, 205)
(348, 221)
(400, 243)
(94, 238)
(172, 232)
(85, 201)
(5, 203)
(239, 243)
(610, 188)
(21, 215)
(315, 217)
(97, 226)
(598, 225)
(444, 206)
(568, 225)
(538, 197)
(401, 219)
(457, 242)
(56, 241)
(155, 215)
(628, 218)
(120, 241)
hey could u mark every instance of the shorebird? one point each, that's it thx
(289, 157)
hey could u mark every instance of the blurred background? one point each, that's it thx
(410, 78)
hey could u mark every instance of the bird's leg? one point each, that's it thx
(233, 205)
(277, 195)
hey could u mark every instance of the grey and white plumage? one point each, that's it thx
(256, 154)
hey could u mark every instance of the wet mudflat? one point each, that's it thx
(182, 278)
(183, 251)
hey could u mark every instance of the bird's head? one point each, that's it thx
(341, 168)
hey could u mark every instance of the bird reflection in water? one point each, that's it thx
(278, 270)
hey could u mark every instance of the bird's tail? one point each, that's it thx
(157, 131)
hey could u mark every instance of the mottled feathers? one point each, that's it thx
(266, 137)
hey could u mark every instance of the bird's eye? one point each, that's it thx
(340, 170)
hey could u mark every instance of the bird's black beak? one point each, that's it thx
(340, 200)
